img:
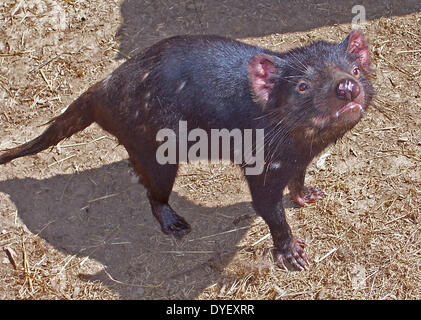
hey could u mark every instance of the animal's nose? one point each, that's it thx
(347, 89)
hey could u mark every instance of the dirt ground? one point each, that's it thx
(75, 224)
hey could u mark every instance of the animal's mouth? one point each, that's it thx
(348, 107)
(352, 111)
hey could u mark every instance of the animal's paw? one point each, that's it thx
(176, 225)
(292, 254)
(306, 195)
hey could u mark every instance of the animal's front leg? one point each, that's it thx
(267, 201)
(301, 193)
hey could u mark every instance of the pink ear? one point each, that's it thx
(262, 71)
(358, 44)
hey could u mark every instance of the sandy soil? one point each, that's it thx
(75, 224)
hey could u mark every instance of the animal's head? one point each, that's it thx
(321, 89)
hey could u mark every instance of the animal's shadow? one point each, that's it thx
(102, 213)
(147, 22)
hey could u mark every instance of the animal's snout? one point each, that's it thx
(347, 89)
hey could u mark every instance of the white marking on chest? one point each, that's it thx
(275, 166)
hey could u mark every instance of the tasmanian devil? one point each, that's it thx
(304, 99)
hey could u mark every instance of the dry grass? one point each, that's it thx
(75, 225)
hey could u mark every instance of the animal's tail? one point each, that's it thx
(77, 117)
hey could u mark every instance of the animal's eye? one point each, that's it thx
(302, 87)
(356, 71)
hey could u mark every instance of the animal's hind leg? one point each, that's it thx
(159, 180)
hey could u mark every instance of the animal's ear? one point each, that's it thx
(356, 43)
(263, 69)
